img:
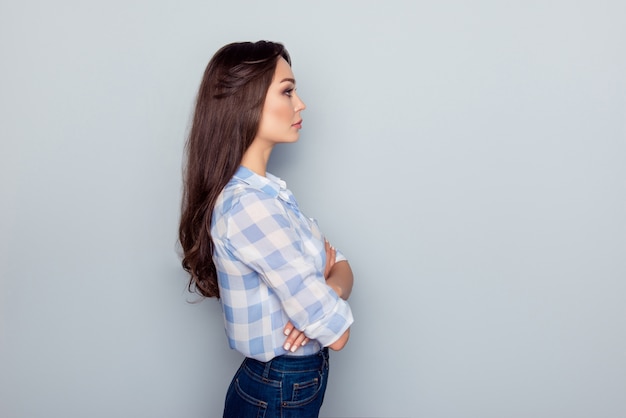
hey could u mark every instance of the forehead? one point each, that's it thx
(283, 71)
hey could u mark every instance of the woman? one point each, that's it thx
(281, 285)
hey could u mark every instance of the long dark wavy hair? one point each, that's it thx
(226, 119)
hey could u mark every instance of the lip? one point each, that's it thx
(298, 124)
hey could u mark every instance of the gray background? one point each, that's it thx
(468, 157)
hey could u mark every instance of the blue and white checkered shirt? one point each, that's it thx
(270, 261)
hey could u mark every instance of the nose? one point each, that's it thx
(299, 104)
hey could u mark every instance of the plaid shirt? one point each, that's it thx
(270, 262)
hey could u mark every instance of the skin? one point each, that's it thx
(281, 123)
(280, 119)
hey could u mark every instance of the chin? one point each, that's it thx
(291, 140)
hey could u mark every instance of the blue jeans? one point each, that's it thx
(286, 386)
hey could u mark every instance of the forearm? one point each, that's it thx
(341, 342)
(341, 279)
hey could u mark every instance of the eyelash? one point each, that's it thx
(288, 92)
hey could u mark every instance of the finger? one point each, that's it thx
(331, 254)
(291, 339)
(330, 262)
(288, 328)
(298, 342)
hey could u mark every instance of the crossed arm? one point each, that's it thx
(340, 278)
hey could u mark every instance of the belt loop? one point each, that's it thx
(324, 353)
(266, 371)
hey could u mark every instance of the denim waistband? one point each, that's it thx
(291, 363)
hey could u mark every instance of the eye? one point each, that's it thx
(289, 91)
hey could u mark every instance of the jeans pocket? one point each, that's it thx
(248, 397)
(304, 390)
(245, 398)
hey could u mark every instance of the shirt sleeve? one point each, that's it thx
(262, 235)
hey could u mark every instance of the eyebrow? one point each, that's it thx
(288, 79)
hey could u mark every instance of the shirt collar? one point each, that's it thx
(270, 184)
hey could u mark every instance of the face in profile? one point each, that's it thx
(280, 118)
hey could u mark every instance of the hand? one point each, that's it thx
(295, 338)
(331, 255)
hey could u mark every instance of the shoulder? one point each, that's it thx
(239, 198)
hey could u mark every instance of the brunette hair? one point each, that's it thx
(226, 118)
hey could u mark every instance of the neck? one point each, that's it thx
(256, 157)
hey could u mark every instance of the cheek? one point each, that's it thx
(279, 112)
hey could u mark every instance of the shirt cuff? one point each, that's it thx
(328, 329)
